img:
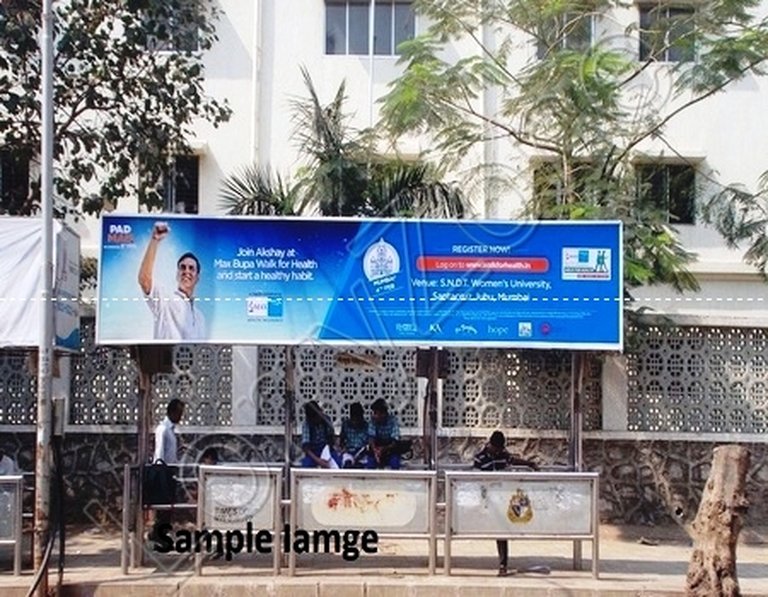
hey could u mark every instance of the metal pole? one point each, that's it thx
(434, 376)
(142, 451)
(575, 456)
(45, 347)
(371, 40)
(17, 526)
(126, 520)
(290, 409)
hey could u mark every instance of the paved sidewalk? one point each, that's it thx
(633, 561)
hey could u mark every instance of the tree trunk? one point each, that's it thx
(712, 570)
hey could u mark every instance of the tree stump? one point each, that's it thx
(712, 569)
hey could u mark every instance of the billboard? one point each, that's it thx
(273, 280)
(21, 255)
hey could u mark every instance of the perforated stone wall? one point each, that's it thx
(321, 377)
(104, 387)
(18, 389)
(699, 380)
(521, 389)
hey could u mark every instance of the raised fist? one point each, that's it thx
(160, 230)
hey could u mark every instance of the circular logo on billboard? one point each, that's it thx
(381, 260)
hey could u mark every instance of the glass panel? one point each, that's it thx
(652, 179)
(548, 38)
(8, 511)
(405, 23)
(680, 39)
(14, 182)
(650, 37)
(682, 192)
(358, 28)
(382, 32)
(335, 28)
(578, 35)
(187, 176)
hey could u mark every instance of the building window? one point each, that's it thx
(571, 31)
(347, 26)
(181, 186)
(666, 33)
(14, 182)
(669, 187)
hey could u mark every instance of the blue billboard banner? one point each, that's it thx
(261, 280)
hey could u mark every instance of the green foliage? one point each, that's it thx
(128, 84)
(254, 192)
(742, 217)
(575, 103)
(343, 175)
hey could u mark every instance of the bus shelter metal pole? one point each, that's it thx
(575, 448)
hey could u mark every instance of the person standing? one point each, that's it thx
(166, 445)
(495, 457)
(167, 451)
(176, 314)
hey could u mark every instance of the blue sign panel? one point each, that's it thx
(179, 279)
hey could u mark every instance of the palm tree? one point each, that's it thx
(253, 192)
(343, 175)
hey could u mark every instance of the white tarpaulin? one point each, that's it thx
(21, 270)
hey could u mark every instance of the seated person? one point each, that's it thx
(317, 437)
(7, 465)
(354, 437)
(383, 434)
(210, 456)
(495, 457)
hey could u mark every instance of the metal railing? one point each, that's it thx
(395, 504)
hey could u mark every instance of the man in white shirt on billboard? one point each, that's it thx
(176, 315)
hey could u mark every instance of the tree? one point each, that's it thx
(741, 216)
(582, 103)
(343, 175)
(128, 85)
(723, 507)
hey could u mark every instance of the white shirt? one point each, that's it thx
(7, 466)
(176, 316)
(166, 447)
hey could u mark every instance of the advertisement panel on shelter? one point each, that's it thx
(233, 498)
(388, 505)
(262, 280)
(527, 506)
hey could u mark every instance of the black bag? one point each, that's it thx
(403, 447)
(159, 484)
(399, 447)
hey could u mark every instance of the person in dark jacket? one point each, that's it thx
(495, 457)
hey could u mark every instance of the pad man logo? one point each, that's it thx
(120, 234)
(519, 509)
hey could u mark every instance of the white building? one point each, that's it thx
(256, 67)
